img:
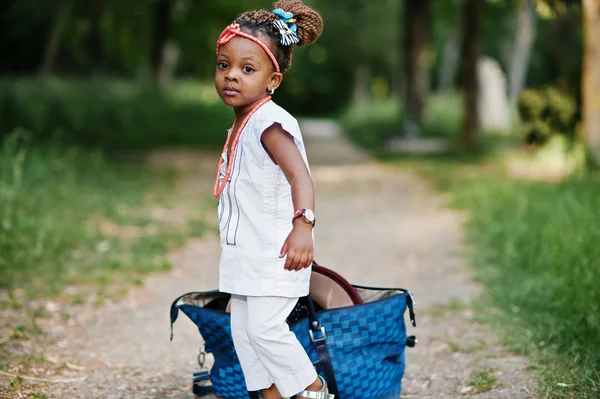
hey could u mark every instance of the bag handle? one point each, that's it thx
(320, 342)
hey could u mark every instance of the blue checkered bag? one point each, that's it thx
(358, 349)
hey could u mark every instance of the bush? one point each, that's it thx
(444, 116)
(369, 125)
(114, 115)
(546, 113)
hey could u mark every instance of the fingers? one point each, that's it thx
(304, 260)
(309, 261)
(297, 264)
(298, 259)
(298, 253)
(284, 249)
(290, 260)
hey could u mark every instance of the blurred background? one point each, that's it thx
(495, 101)
(95, 73)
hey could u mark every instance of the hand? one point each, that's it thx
(298, 247)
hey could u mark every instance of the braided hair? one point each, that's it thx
(308, 21)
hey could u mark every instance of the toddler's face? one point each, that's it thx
(244, 73)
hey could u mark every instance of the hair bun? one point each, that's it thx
(308, 21)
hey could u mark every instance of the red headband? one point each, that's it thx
(233, 30)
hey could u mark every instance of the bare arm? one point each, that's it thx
(281, 147)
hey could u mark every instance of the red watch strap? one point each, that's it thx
(297, 214)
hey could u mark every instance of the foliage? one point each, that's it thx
(112, 114)
(69, 216)
(318, 82)
(321, 79)
(444, 116)
(113, 37)
(546, 113)
(370, 125)
(535, 247)
(557, 57)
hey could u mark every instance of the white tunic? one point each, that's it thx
(255, 214)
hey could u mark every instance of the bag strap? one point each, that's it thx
(324, 363)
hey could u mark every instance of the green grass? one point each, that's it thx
(455, 346)
(369, 125)
(78, 228)
(72, 217)
(483, 381)
(452, 307)
(111, 114)
(536, 248)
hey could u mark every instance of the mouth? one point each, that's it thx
(230, 91)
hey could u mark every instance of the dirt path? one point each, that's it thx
(377, 226)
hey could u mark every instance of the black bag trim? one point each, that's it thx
(324, 363)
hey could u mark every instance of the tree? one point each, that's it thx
(471, 33)
(590, 84)
(447, 33)
(93, 40)
(53, 40)
(521, 50)
(417, 53)
(450, 58)
(163, 11)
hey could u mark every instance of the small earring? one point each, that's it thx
(272, 91)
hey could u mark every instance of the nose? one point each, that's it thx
(231, 75)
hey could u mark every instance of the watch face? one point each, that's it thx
(309, 215)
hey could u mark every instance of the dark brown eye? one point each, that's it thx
(222, 65)
(247, 69)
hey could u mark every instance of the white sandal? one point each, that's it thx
(322, 394)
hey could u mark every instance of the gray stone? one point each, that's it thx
(494, 108)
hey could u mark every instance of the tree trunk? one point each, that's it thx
(360, 94)
(163, 10)
(472, 29)
(416, 58)
(93, 39)
(524, 39)
(53, 40)
(168, 64)
(450, 61)
(590, 84)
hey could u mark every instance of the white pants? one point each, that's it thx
(268, 351)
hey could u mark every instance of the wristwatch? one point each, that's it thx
(307, 214)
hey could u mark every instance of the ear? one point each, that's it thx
(274, 80)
